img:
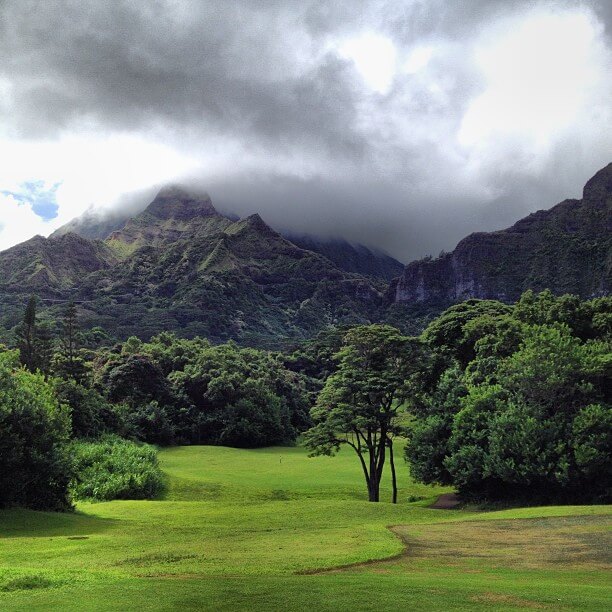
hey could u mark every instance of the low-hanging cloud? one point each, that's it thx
(403, 125)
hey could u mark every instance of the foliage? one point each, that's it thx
(174, 390)
(533, 419)
(68, 362)
(150, 422)
(91, 414)
(135, 379)
(454, 334)
(242, 397)
(360, 403)
(34, 340)
(113, 468)
(34, 428)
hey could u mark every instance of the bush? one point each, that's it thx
(113, 468)
(34, 430)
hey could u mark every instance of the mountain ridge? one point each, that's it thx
(354, 258)
(181, 265)
(567, 249)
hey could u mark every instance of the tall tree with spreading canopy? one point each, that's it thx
(361, 402)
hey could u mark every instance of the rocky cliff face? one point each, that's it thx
(567, 249)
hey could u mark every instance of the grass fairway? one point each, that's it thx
(264, 530)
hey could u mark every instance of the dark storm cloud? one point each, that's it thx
(314, 152)
(203, 69)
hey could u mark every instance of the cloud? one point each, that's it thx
(18, 221)
(401, 124)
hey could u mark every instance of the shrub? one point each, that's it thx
(113, 468)
(34, 430)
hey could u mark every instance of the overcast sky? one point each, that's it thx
(402, 124)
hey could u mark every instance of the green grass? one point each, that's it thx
(263, 530)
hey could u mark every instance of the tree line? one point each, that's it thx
(55, 393)
(500, 401)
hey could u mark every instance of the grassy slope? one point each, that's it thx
(238, 527)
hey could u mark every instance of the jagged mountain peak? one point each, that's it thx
(175, 202)
(252, 223)
(256, 222)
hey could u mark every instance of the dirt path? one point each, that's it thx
(448, 501)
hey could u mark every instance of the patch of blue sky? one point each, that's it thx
(39, 195)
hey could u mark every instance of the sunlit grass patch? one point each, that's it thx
(270, 529)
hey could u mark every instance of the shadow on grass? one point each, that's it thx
(21, 523)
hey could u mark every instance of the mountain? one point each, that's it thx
(351, 258)
(93, 225)
(181, 265)
(51, 266)
(567, 249)
(355, 258)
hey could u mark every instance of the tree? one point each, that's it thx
(68, 363)
(241, 397)
(26, 336)
(527, 414)
(453, 336)
(68, 336)
(44, 348)
(135, 379)
(34, 341)
(428, 436)
(360, 403)
(91, 414)
(34, 430)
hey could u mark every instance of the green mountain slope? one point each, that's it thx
(181, 265)
(50, 266)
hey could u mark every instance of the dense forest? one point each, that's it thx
(504, 402)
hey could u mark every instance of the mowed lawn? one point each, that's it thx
(272, 529)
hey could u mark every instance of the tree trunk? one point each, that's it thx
(393, 475)
(374, 489)
(374, 482)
